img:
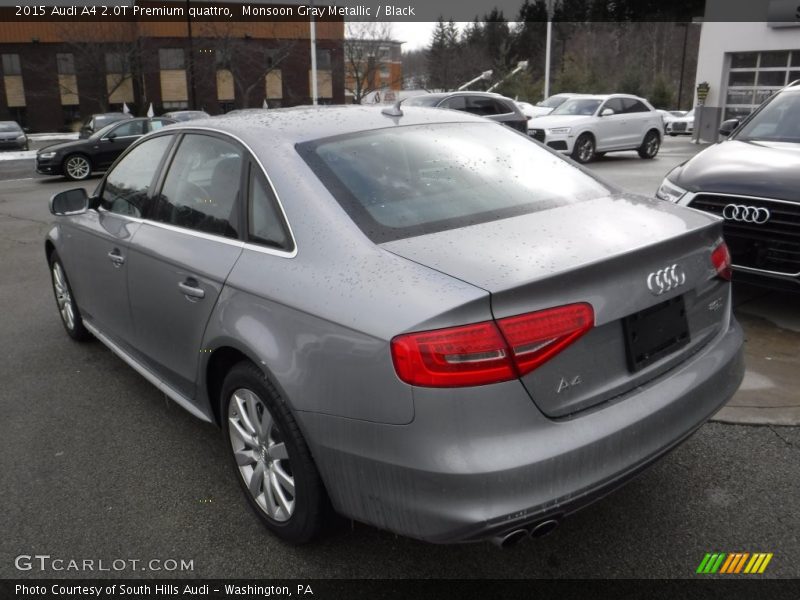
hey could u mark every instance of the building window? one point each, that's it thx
(324, 60)
(755, 76)
(175, 105)
(11, 64)
(15, 89)
(171, 59)
(66, 64)
(67, 81)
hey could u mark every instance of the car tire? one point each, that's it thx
(76, 167)
(584, 149)
(270, 457)
(65, 301)
(650, 145)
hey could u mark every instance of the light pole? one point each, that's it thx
(484, 75)
(548, 43)
(520, 65)
(313, 36)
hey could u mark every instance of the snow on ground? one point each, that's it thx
(18, 155)
(47, 137)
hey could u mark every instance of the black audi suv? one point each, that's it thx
(752, 181)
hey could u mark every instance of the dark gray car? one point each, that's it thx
(752, 181)
(485, 104)
(419, 320)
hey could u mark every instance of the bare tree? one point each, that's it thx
(367, 49)
(110, 66)
(248, 59)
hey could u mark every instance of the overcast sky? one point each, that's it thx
(416, 35)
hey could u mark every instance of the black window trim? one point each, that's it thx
(248, 156)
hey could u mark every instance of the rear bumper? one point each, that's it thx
(479, 462)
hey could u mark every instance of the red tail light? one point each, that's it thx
(488, 352)
(721, 259)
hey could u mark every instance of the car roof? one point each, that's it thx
(307, 123)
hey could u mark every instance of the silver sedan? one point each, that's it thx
(414, 318)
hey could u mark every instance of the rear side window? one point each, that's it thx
(265, 222)
(201, 190)
(407, 181)
(127, 184)
(455, 103)
(483, 106)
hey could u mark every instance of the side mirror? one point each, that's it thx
(110, 137)
(70, 202)
(728, 126)
(606, 112)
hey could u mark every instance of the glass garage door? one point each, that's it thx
(755, 76)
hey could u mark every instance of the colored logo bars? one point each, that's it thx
(734, 563)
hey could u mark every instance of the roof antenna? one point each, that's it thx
(393, 110)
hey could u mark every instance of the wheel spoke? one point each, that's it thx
(278, 452)
(252, 413)
(283, 478)
(285, 504)
(245, 457)
(243, 405)
(246, 437)
(256, 481)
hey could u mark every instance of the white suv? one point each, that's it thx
(589, 126)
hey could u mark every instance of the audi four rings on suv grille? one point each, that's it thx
(752, 181)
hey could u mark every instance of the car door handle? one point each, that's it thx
(189, 288)
(116, 258)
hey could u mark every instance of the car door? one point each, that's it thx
(611, 129)
(182, 255)
(116, 140)
(640, 120)
(97, 247)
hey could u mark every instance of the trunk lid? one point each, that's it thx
(599, 251)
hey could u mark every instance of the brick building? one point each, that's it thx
(53, 74)
(372, 66)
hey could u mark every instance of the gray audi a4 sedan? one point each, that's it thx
(418, 319)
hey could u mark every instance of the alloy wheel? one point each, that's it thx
(63, 297)
(77, 167)
(586, 150)
(651, 148)
(261, 455)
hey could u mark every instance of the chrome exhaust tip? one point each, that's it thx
(509, 539)
(543, 528)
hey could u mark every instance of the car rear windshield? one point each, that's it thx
(778, 121)
(407, 181)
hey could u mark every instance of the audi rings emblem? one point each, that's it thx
(745, 214)
(666, 279)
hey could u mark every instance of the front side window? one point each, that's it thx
(407, 181)
(201, 190)
(631, 105)
(577, 107)
(614, 104)
(778, 121)
(126, 186)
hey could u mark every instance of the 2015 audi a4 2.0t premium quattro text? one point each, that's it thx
(420, 319)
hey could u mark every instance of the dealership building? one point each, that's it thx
(53, 74)
(745, 62)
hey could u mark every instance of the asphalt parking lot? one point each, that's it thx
(96, 464)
